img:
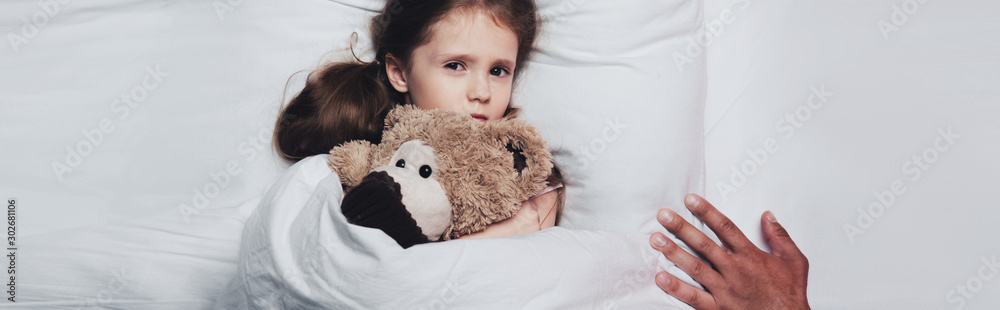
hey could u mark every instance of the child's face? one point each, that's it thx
(466, 65)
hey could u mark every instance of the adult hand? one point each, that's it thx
(741, 276)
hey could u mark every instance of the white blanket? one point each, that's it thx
(298, 252)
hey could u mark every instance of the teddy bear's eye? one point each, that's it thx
(425, 171)
(401, 163)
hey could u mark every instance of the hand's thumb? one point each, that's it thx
(778, 239)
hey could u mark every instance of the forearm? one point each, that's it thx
(536, 214)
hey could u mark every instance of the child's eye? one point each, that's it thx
(454, 65)
(499, 71)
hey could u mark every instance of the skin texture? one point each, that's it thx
(741, 275)
(535, 214)
(466, 65)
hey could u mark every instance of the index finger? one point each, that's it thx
(730, 235)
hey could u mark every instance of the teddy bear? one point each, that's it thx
(439, 175)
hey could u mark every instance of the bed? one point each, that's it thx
(136, 137)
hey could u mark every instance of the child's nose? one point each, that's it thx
(479, 90)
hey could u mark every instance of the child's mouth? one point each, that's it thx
(479, 116)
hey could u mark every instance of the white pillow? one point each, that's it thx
(613, 92)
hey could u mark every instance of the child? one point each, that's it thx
(458, 55)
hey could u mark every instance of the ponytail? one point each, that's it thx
(341, 102)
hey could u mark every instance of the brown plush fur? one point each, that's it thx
(475, 168)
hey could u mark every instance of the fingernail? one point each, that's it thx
(662, 278)
(665, 216)
(692, 201)
(770, 217)
(659, 241)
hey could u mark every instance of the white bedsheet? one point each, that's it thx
(299, 252)
(158, 262)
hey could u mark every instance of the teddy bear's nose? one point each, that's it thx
(377, 203)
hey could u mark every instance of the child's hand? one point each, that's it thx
(535, 214)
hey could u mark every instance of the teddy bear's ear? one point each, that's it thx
(400, 113)
(531, 157)
(520, 161)
(351, 161)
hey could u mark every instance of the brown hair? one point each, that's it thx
(556, 178)
(346, 101)
(332, 109)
